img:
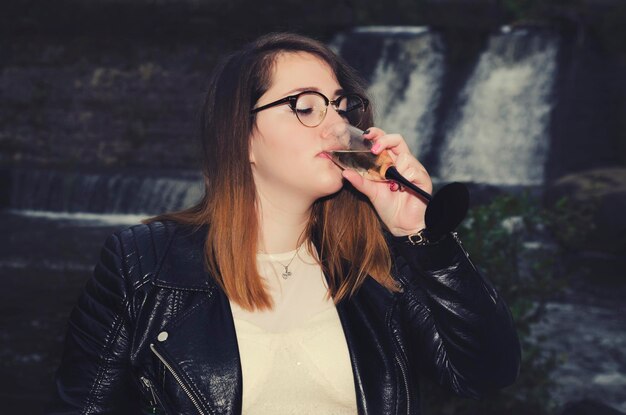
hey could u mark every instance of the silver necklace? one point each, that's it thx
(286, 274)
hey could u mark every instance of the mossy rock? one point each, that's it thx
(588, 209)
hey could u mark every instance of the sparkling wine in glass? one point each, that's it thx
(364, 162)
(353, 151)
(350, 150)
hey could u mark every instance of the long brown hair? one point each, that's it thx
(344, 227)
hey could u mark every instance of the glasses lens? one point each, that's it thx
(310, 109)
(352, 108)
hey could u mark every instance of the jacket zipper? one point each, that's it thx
(396, 344)
(406, 385)
(455, 235)
(180, 382)
(491, 291)
(155, 400)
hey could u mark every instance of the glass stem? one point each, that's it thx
(392, 174)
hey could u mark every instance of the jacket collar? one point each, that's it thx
(183, 265)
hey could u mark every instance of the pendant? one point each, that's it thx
(287, 273)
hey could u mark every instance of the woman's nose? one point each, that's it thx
(332, 115)
(336, 132)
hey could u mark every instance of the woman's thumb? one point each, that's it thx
(361, 184)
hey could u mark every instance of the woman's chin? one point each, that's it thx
(329, 185)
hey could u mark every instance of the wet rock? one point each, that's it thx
(589, 407)
(596, 202)
(588, 341)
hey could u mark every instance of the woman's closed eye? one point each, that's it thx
(304, 111)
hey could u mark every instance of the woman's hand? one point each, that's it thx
(402, 211)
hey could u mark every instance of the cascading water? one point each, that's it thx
(80, 195)
(404, 83)
(498, 133)
(496, 130)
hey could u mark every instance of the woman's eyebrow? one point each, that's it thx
(310, 88)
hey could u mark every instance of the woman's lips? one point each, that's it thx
(326, 155)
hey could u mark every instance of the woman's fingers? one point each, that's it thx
(404, 161)
(367, 187)
(393, 142)
(407, 165)
(412, 170)
(410, 167)
(395, 187)
(373, 132)
(382, 141)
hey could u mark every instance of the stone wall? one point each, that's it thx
(101, 101)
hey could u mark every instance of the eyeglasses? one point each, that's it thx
(311, 106)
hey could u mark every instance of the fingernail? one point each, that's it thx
(366, 132)
(375, 148)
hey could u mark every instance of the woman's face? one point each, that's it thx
(287, 157)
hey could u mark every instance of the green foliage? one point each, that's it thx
(571, 223)
(502, 240)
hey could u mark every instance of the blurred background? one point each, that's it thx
(523, 100)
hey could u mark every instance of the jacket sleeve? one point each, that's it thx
(460, 330)
(93, 377)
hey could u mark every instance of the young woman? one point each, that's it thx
(292, 286)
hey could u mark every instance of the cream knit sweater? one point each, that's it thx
(294, 359)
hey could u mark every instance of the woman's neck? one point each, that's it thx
(282, 222)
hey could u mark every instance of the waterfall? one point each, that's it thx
(109, 193)
(404, 83)
(490, 127)
(500, 132)
(496, 127)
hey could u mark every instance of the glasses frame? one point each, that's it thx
(293, 99)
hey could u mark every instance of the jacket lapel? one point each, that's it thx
(363, 318)
(200, 346)
(201, 350)
(363, 321)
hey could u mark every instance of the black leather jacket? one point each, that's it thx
(153, 331)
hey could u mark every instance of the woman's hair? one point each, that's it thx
(343, 226)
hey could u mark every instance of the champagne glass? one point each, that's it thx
(350, 150)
